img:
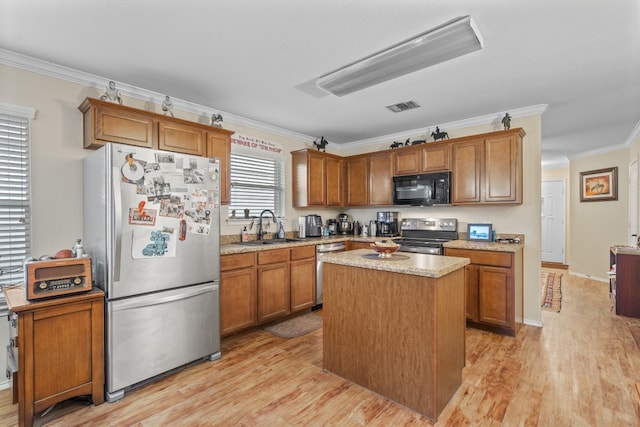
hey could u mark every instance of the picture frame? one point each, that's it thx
(477, 232)
(599, 185)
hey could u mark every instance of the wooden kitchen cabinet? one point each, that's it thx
(303, 277)
(258, 287)
(357, 180)
(273, 284)
(219, 145)
(487, 169)
(352, 245)
(429, 157)
(238, 292)
(494, 289)
(60, 346)
(181, 138)
(381, 179)
(317, 179)
(107, 122)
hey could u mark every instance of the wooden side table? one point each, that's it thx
(60, 344)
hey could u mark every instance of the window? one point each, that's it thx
(257, 183)
(15, 229)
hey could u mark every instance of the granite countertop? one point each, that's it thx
(626, 250)
(405, 263)
(236, 248)
(484, 246)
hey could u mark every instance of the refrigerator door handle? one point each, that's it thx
(157, 299)
(117, 218)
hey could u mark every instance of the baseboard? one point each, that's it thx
(586, 276)
(5, 384)
(557, 265)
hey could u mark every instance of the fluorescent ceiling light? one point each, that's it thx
(447, 41)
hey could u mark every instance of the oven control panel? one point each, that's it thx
(431, 224)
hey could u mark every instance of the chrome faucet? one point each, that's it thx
(261, 232)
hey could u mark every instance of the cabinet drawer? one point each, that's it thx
(497, 259)
(273, 256)
(235, 261)
(303, 252)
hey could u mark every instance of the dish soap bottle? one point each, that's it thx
(281, 231)
(245, 234)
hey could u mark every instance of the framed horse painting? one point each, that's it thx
(599, 185)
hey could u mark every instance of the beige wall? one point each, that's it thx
(57, 173)
(595, 226)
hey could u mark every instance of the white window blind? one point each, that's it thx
(15, 231)
(256, 184)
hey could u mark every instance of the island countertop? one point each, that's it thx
(403, 262)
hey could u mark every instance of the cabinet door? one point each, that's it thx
(335, 181)
(357, 176)
(273, 291)
(437, 158)
(181, 138)
(407, 161)
(467, 172)
(238, 297)
(495, 296)
(502, 171)
(113, 125)
(303, 284)
(380, 179)
(316, 179)
(220, 146)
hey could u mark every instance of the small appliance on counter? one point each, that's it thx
(344, 226)
(387, 224)
(313, 226)
(331, 225)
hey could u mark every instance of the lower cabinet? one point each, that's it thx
(273, 284)
(351, 246)
(60, 352)
(494, 289)
(238, 292)
(258, 287)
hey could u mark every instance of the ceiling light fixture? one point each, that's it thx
(442, 43)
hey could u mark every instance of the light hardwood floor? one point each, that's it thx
(580, 369)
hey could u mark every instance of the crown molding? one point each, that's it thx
(61, 72)
(459, 124)
(635, 134)
(598, 151)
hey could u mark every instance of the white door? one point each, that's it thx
(633, 202)
(553, 221)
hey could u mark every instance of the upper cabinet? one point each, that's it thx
(108, 122)
(357, 180)
(487, 169)
(430, 157)
(317, 179)
(381, 178)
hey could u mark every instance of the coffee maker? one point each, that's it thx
(388, 224)
(313, 226)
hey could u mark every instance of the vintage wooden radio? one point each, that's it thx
(56, 277)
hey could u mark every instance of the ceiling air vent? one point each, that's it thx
(403, 106)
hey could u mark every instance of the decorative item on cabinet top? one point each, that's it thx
(322, 144)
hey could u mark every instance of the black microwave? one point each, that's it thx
(429, 189)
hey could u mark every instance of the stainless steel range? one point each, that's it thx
(427, 235)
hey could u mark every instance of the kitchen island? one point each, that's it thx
(396, 326)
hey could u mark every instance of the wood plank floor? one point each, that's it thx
(580, 369)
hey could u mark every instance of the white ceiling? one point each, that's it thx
(246, 58)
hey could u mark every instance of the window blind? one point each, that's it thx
(256, 184)
(15, 231)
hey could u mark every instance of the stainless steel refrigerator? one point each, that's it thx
(152, 229)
